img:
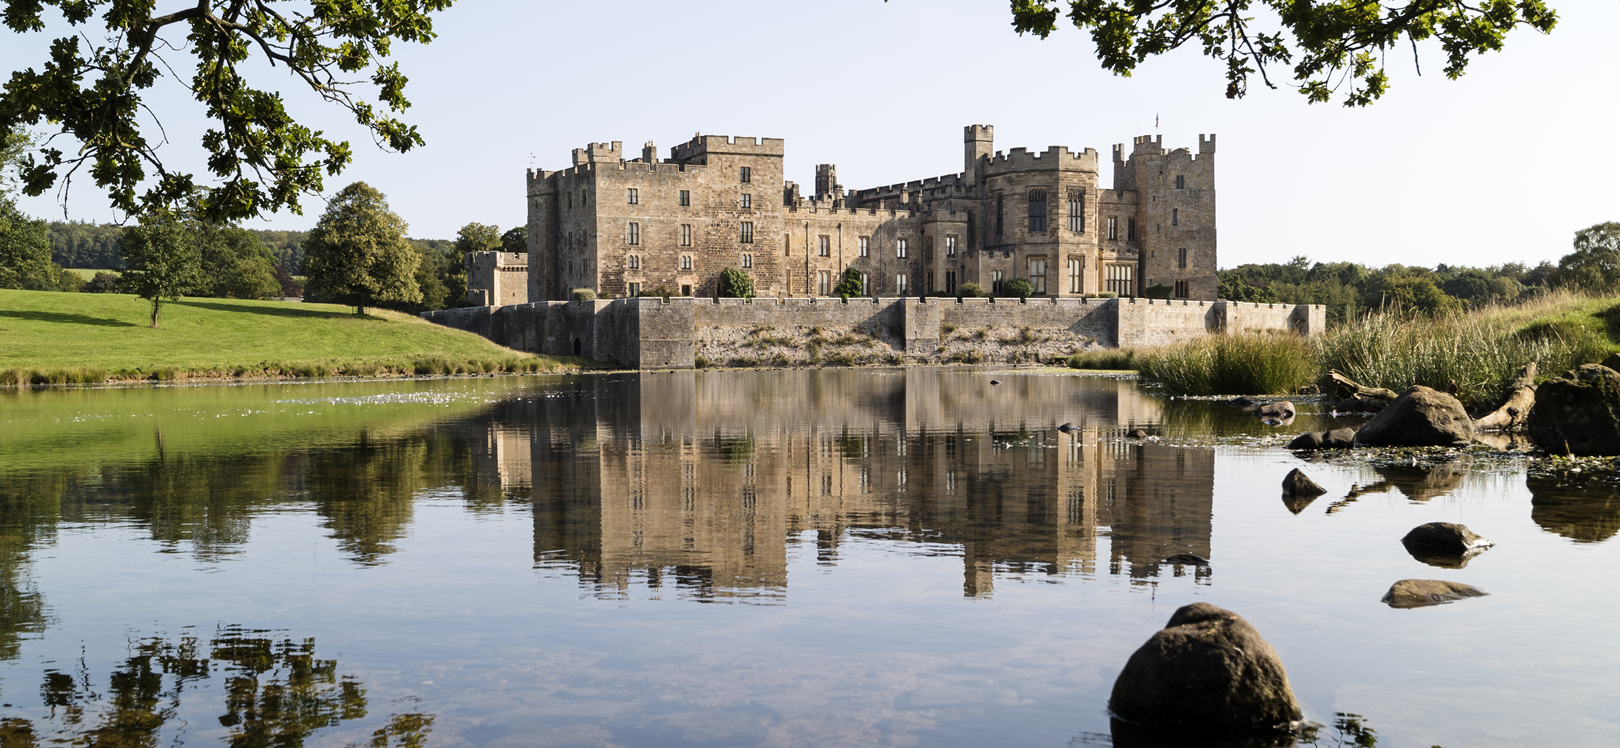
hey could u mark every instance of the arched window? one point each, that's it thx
(1037, 211)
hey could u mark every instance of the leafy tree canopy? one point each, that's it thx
(357, 253)
(477, 237)
(91, 89)
(25, 249)
(1335, 47)
(1594, 266)
(515, 240)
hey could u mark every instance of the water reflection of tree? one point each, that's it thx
(277, 693)
(29, 508)
(365, 490)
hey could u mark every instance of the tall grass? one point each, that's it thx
(1246, 364)
(1471, 354)
(1115, 359)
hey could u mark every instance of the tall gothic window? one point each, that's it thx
(1037, 211)
(1077, 213)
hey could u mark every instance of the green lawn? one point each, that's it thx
(88, 273)
(80, 337)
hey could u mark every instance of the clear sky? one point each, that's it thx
(1503, 165)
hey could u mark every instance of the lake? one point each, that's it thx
(752, 558)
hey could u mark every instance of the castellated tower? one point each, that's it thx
(1176, 215)
(978, 143)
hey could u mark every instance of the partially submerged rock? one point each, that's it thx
(1206, 671)
(1067, 427)
(1137, 433)
(1186, 559)
(1339, 439)
(1335, 439)
(1309, 440)
(1244, 403)
(1420, 417)
(1447, 537)
(1281, 410)
(1421, 593)
(1578, 413)
(1444, 544)
(1299, 485)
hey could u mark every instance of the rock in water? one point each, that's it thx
(1137, 434)
(1420, 417)
(1307, 441)
(1420, 593)
(1278, 411)
(1066, 428)
(1207, 670)
(1185, 559)
(1339, 439)
(1300, 485)
(1244, 403)
(1578, 413)
(1446, 537)
(995, 381)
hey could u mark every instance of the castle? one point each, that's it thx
(624, 228)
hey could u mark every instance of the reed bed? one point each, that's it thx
(1472, 355)
(1233, 364)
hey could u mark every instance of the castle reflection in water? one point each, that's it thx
(702, 480)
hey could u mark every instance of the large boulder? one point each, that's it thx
(1421, 593)
(1206, 671)
(1339, 439)
(1420, 417)
(1578, 413)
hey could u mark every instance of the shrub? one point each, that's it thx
(972, 290)
(850, 286)
(735, 284)
(1017, 288)
(583, 294)
(1102, 295)
(103, 282)
(1157, 292)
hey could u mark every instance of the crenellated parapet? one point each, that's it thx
(702, 145)
(1056, 157)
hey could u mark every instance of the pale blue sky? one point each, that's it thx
(1502, 165)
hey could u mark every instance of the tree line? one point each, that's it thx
(1349, 289)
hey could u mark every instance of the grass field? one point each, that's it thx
(51, 338)
(88, 273)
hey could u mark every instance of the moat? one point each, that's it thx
(750, 558)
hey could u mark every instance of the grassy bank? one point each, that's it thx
(60, 338)
(1471, 354)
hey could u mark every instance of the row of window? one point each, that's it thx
(632, 196)
(633, 262)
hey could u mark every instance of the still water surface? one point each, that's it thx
(778, 558)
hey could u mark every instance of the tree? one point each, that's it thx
(25, 249)
(104, 282)
(1017, 288)
(850, 286)
(477, 237)
(357, 254)
(239, 266)
(515, 240)
(92, 91)
(1332, 44)
(1594, 266)
(735, 284)
(161, 261)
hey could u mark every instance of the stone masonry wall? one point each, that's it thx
(651, 332)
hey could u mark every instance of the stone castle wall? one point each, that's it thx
(653, 333)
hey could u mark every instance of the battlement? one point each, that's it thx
(815, 206)
(1055, 157)
(1206, 144)
(703, 145)
(1153, 145)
